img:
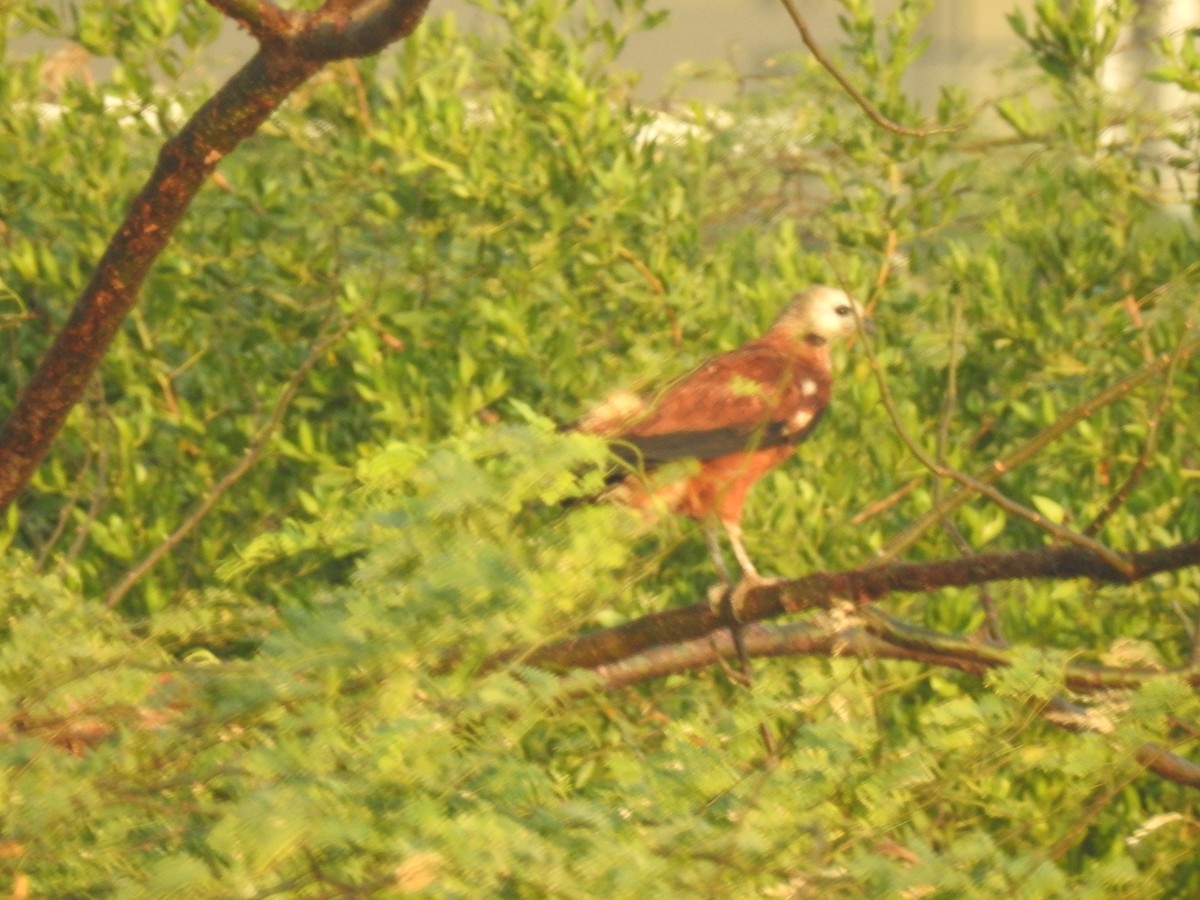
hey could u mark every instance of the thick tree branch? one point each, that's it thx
(262, 18)
(234, 113)
(338, 33)
(826, 590)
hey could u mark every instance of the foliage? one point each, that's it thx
(294, 701)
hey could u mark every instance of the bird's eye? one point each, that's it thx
(842, 310)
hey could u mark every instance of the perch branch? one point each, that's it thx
(858, 587)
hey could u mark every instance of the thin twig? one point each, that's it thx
(253, 453)
(100, 496)
(1031, 448)
(747, 673)
(1195, 658)
(950, 399)
(856, 95)
(1122, 494)
(64, 514)
(991, 616)
(95, 506)
(982, 487)
(878, 506)
(1104, 796)
(949, 403)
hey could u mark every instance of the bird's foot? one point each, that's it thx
(718, 597)
(724, 598)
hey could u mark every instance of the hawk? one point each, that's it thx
(739, 415)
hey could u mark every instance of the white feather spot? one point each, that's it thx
(800, 421)
(614, 413)
(808, 387)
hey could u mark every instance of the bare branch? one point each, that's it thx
(262, 18)
(878, 636)
(824, 590)
(878, 506)
(856, 95)
(1164, 763)
(335, 32)
(870, 634)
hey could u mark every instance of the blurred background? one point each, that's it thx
(969, 43)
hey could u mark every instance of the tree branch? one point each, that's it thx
(336, 32)
(875, 635)
(185, 162)
(262, 18)
(1030, 449)
(1164, 763)
(870, 634)
(858, 587)
(856, 95)
(253, 453)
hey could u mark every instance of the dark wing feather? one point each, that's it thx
(708, 443)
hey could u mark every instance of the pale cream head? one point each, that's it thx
(820, 312)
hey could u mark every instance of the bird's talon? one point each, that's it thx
(737, 596)
(718, 594)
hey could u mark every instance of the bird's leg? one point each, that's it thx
(750, 577)
(734, 530)
(718, 592)
(727, 604)
(712, 539)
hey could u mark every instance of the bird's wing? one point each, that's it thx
(748, 399)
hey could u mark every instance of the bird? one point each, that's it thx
(738, 416)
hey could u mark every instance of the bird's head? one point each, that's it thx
(819, 314)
